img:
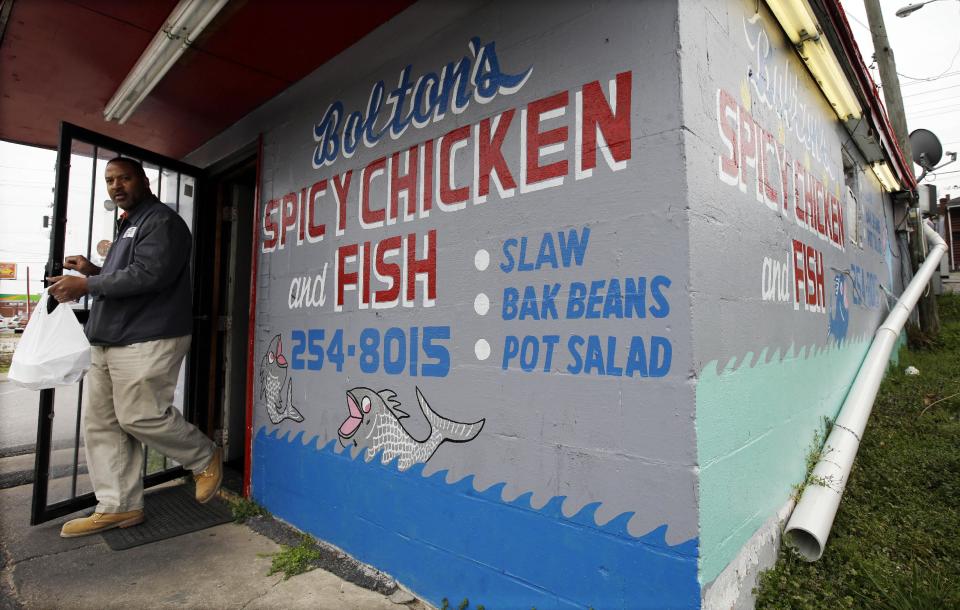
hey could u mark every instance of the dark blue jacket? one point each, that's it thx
(143, 290)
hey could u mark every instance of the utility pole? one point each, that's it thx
(883, 54)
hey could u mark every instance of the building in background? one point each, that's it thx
(533, 306)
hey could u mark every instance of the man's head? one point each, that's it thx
(127, 183)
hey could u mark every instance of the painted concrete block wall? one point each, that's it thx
(785, 296)
(478, 380)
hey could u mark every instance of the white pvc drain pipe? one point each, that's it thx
(809, 526)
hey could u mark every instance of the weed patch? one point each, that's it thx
(291, 561)
(243, 509)
(893, 544)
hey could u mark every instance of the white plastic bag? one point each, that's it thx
(53, 350)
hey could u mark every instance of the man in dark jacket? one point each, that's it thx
(139, 329)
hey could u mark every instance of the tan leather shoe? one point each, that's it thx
(100, 522)
(208, 480)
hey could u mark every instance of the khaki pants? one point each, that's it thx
(131, 402)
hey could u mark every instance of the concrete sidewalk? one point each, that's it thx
(220, 567)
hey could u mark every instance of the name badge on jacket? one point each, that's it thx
(130, 232)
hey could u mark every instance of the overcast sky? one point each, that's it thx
(926, 47)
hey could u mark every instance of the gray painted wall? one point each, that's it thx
(624, 443)
(768, 368)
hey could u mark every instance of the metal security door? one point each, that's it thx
(84, 222)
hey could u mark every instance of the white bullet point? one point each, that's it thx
(481, 304)
(482, 260)
(482, 349)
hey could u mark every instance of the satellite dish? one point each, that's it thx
(926, 147)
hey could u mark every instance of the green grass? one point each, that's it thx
(293, 560)
(244, 509)
(896, 539)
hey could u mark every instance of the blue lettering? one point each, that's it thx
(511, 347)
(636, 358)
(524, 265)
(612, 368)
(573, 343)
(529, 353)
(549, 302)
(575, 303)
(398, 99)
(660, 355)
(326, 133)
(427, 93)
(613, 304)
(550, 341)
(636, 297)
(595, 300)
(662, 309)
(352, 133)
(488, 78)
(594, 358)
(370, 135)
(574, 246)
(529, 309)
(548, 252)
(510, 298)
(507, 267)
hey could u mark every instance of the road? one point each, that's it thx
(19, 409)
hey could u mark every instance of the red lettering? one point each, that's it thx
(406, 184)
(612, 126)
(426, 266)
(315, 230)
(388, 271)
(821, 207)
(288, 216)
(748, 145)
(368, 216)
(427, 184)
(365, 283)
(810, 201)
(490, 156)
(771, 194)
(727, 116)
(799, 275)
(345, 278)
(449, 194)
(341, 188)
(537, 139)
(269, 226)
(799, 192)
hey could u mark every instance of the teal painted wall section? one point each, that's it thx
(755, 421)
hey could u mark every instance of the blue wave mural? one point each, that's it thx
(448, 540)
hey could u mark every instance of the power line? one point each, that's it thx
(931, 91)
(927, 80)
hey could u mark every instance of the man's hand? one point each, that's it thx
(81, 264)
(66, 288)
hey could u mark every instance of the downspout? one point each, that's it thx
(809, 526)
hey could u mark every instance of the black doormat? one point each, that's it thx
(171, 511)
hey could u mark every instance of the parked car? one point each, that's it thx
(20, 325)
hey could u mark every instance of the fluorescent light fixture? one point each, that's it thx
(886, 177)
(796, 18)
(179, 31)
(798, 21)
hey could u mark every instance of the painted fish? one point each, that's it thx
(840, 309)
(273, 376)
(374, 423)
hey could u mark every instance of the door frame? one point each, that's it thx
(210, 306)
(40, 511)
